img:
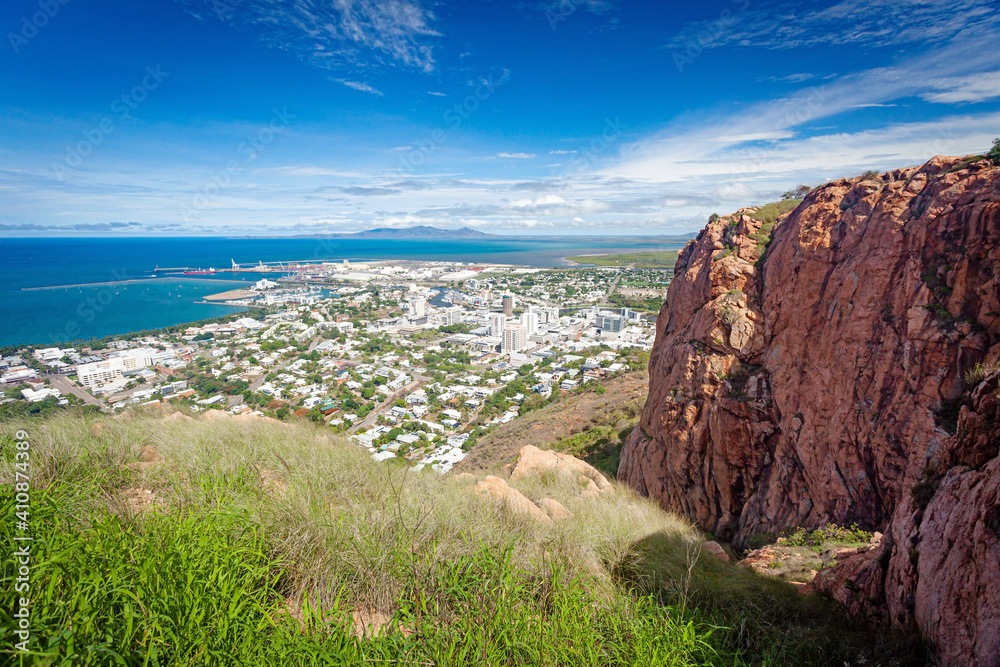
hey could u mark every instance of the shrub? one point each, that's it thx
(994, 153)
(871, 175)
(831, 533)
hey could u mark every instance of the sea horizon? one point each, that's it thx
(64, 289)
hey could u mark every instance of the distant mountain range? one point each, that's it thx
(424, 232)
(419, 232)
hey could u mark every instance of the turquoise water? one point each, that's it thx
(117, 305)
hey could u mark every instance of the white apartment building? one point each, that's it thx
(498, 321)
(530, 321)
(114, 367)
(514, 338)
(100, 372)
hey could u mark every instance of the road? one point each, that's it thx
(67, 386)
(369, 421)
(614, 286)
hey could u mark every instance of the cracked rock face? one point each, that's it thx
(824, 380)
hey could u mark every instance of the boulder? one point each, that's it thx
(714, 549)
(510, 498)
(554, 509)
(532, 461)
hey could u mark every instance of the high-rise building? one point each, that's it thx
(514, 339)
(613, 323)
(418, 307)
(498, 322)
(508, 305)
(453, 315)
(529, 320)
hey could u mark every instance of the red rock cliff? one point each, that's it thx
(824, 380)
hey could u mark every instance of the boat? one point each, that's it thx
(200, 272)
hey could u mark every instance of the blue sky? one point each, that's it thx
(209, 117)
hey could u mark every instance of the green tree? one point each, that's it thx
(994, 153)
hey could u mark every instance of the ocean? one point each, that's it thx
(94, 287)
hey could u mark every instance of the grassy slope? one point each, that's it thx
(258, 540)
(640, 260)
(587, 425)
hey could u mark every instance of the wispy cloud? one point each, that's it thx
(859, 22)
(362, 87)
(514, 156)
(971, 88)
(332, 33)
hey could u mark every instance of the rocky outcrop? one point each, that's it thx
(510, 498)
(814, 371)
(534, 461)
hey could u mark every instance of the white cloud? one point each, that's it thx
(735, 192)
(330, 33)
(362, 87)
(970, 88)
(561, 152)
(514, 156)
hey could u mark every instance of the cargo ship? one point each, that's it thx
(201, 272)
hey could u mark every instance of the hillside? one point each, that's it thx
(237, 541)
(588, 425)
(840, 364)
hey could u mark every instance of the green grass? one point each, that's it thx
(640, 260)
(265, 538)
(771, 212)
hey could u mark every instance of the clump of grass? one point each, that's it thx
(980, 372)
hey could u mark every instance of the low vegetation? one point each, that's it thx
(230, 542)
(769, 213)
(642, 260)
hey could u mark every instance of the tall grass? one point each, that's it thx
(269, 544)
(770, 212)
